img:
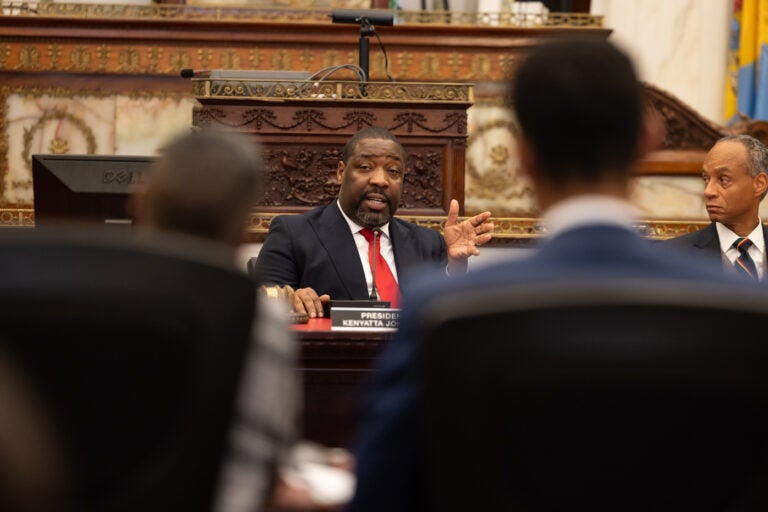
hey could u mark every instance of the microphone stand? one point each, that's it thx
(366, 30)
(374, 294)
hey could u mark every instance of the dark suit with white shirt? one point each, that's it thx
(317, 250)
(704, 243)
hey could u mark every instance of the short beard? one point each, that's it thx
(370, 219)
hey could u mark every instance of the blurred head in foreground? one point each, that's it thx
(579, 106)
(203, 185)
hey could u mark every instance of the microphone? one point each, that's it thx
(374, 293)
(356, 16)
(191, 73)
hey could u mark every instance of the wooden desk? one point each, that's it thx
(335, 367)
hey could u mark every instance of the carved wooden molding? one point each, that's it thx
(303, 128)
(685, 129)
(688, 135)
(154, 40)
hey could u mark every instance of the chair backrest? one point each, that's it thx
(32, 476)
(136, 349)
(610, 395)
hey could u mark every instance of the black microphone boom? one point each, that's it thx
(191, 73)
(356, 16)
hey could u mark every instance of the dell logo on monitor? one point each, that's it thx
(122, 177)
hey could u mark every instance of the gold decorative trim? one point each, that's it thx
(291, 12)
(500, 19)
(17, 217)
(4, 140)
(57, 145)
(514, 228)
(142, 57)
(663, 229)
(336, 91)
(519, 230)
(507, 228)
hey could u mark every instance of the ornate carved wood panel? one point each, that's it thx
(304, 132)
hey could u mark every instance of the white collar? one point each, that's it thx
(588, 209)
(355, 228)
(727, 237)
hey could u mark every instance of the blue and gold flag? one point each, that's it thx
(746, 91)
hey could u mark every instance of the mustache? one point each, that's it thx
(378, 192)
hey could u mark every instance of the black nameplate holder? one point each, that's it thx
(364, 315)
(360, 303)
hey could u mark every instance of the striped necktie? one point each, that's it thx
(386, 286)
(744, 263)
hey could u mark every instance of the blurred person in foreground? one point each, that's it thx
(204, 185)
(323, 254)
(582, 132)
(735, 182)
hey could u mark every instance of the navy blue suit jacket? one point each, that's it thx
(703, 242)
(390, 465)
(317, 250)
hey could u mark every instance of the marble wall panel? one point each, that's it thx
(69, 124)
(144, 126)
(670, 197)
(493, 180)
(675, 198)
(677, 45)
(50, 124)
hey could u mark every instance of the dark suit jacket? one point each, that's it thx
(390, 464)
(316, 249)
(703, 243)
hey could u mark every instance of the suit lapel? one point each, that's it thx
(708, 239)
(400, 243)
(336, 239)
(403, 246)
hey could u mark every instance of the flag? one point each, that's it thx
(746, 91)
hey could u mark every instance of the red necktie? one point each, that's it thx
(386, 285)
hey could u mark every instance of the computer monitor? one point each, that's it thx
(86, 188)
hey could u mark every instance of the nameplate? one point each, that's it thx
(365, 319)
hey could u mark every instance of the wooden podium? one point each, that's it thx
(303, 126)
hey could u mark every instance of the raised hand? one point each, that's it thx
(463, 238)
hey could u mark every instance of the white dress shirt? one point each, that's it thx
(385, 247)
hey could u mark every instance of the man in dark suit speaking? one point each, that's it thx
(324, 254)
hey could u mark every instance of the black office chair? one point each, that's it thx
(136, 350)
(32, 478)
(610, 395)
